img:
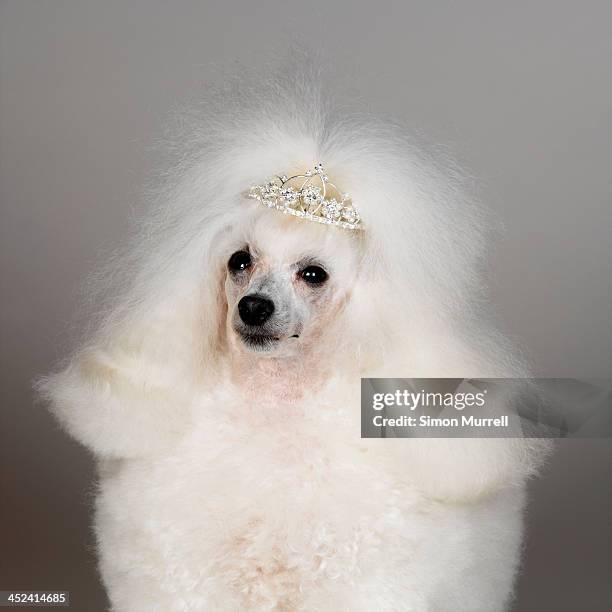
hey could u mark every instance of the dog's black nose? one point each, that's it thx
(255, 310)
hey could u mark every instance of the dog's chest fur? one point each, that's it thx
(265, 510)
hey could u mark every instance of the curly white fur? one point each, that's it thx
(216, 493)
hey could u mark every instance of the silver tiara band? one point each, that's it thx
(307, 196)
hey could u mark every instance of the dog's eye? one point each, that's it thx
(315, 275)
(240, 260)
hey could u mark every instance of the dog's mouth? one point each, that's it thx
(262, 342)
(259, 342)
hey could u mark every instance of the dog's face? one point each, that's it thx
(285, 283)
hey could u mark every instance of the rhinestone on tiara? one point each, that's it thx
(308, 196)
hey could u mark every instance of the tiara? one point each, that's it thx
(307, 196)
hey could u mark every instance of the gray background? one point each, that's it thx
(520, 90)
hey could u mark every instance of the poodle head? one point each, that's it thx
(214, 274)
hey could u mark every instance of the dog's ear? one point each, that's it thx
(394, 336)
(130, 388)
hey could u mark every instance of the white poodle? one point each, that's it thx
(220, 391)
